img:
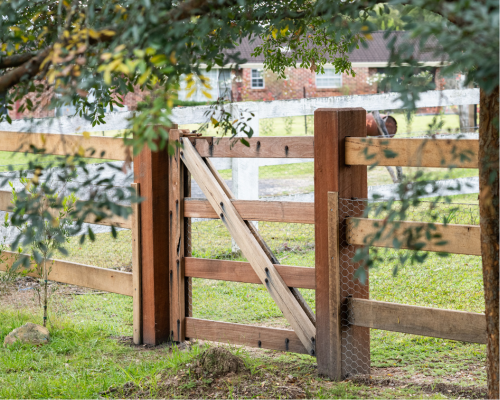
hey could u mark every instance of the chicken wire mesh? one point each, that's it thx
(453, 282)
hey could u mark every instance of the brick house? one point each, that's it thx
(250, 82)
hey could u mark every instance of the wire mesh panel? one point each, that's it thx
(446, 281)
(355, 343)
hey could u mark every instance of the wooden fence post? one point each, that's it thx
(151, 171)
(331, 174)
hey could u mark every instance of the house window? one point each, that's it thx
(257, 79)
(329, 79)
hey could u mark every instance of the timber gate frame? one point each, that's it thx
(340, 171)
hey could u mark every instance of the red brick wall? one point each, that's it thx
(293, 86)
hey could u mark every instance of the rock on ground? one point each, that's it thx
(28, 333)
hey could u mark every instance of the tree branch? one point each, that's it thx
(31, 65)
(26, 71)
(15, 60)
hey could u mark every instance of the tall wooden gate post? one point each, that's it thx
(331, 174)
(178, 239)
(151, 172)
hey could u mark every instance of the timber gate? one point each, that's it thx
(338, 334)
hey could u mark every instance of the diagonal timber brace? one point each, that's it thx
(295, 292)
(250, 247)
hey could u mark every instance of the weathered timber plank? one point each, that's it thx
(262, 243)
(437, 153)
(239, 271)
(335, 298)
(266, 271)
(260, 147)
(136, 268)
(6, 205)
(61, 145)
(461, 239)
(255, 336)
(176, 238)
(331, 174)
(88, 276)
(255, 210)
(425, 321)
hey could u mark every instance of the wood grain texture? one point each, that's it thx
(59, 144)
(425, 321)
(255, 210)
(331, 174)
(260, 147)
(6, 205)
(334, 284)
(239, 271)
(249, 246)
(432, 153)
(151, 172)
(108, 280)
(255, 336)
(136, 268)
(461, 239)
(176, 238)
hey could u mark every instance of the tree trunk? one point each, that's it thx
(488, 209)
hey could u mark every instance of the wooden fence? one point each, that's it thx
(163, 266)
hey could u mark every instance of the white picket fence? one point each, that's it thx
(245, 172)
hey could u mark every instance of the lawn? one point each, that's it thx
(90, 349)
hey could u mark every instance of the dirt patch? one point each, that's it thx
(215, 373)
(448, 389)
(218, 361)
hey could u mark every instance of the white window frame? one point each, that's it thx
(319, 85)
(257, 78)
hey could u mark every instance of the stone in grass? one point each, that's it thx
(28, 333)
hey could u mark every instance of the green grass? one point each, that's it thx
(85, 358)
(422, 123)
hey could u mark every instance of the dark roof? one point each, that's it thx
(376, 51)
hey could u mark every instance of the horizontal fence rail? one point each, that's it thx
(247, 335)
(460, 239)
(255, 210)
(108, 148)
(120, 222)
(238, 271)
(432, 153)
(108, 280)
(425, 321)
(265, 109)
(259, 147)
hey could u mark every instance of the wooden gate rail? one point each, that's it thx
(425, 321)
(461, 239)
(239, 271)
(255, 210)
(259, 147)
(250, 247)
(435, 153)
(247, 335)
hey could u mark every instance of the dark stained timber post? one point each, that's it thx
(331, 174)
(151, 172)
(177, 241)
